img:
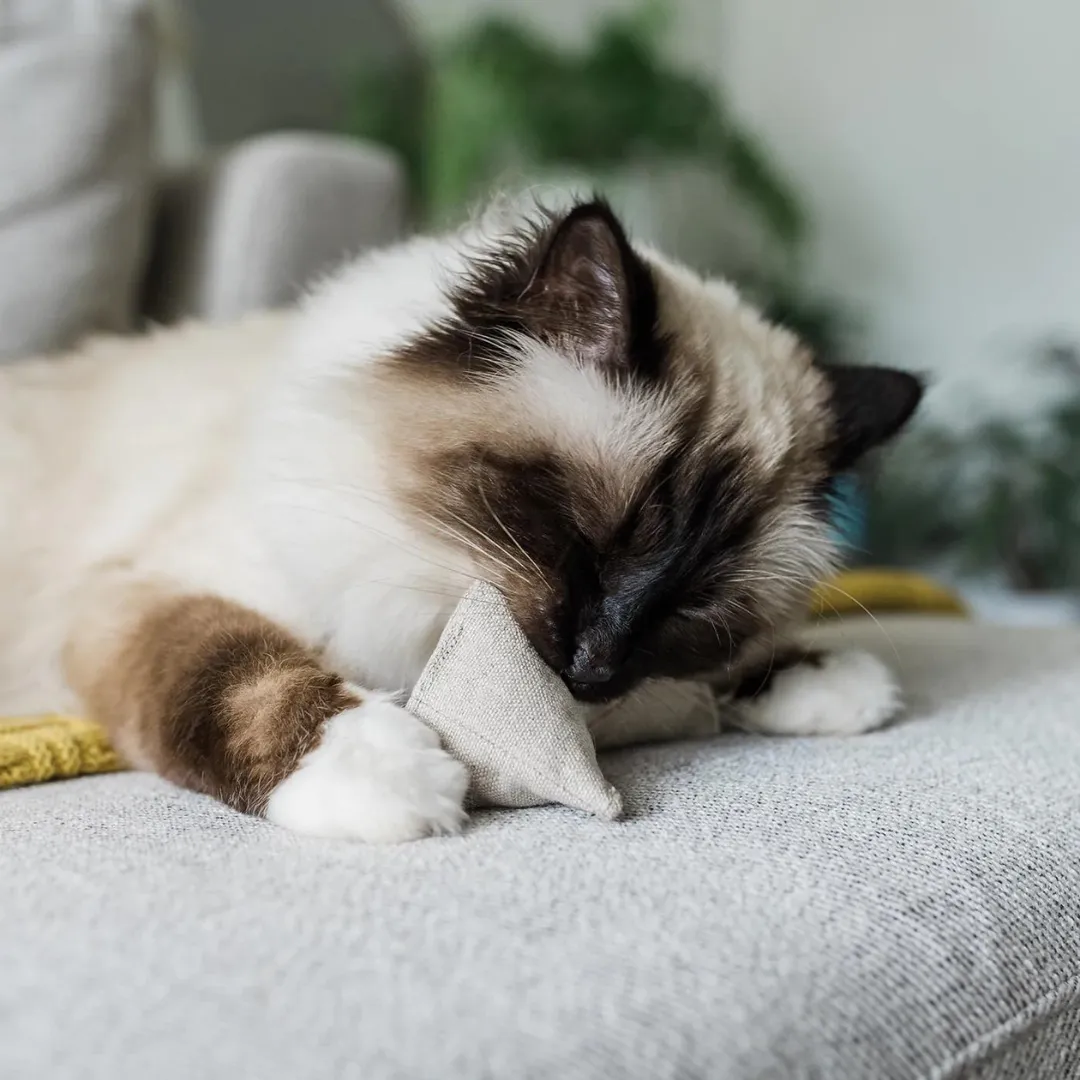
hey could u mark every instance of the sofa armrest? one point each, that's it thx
(249, 228)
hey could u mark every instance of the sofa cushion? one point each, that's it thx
(904, 905)
(76, 104)
(252, 226)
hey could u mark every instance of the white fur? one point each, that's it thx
(378, 775)
(849, 693)
(590, 418)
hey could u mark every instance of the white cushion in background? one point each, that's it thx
(76, 139)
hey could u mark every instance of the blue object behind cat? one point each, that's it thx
(847, 508)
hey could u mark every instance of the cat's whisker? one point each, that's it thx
(357, 491)
(840, 616)
(482, 535)
(510, 535)
(394, 539)
(772, 659)
(383, 584)
(720, 644)
(876, 621)
(484, 553)
(310, 483)
(730, 637)
(711, 619)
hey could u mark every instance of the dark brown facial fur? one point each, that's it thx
(572, 281)
(610, 592)
(669, 575)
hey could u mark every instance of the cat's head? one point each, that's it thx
(631, 453)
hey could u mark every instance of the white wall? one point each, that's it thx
(937, 143)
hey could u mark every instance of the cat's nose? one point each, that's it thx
(599, 653)
(589, 666)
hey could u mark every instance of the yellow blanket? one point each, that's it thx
(883, 592)
(36, 749)
(52, 748)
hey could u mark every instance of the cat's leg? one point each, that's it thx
(800, 691)
(220, 699)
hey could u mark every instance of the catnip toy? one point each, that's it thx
(501, 711)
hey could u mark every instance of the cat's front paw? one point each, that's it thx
(830, 693)
(378, 775)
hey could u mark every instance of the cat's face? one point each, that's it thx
(629, 452)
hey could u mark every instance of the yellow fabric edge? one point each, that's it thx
(35, 749)
(880, 592)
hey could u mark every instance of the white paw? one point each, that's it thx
(848, 693)
(378, 775)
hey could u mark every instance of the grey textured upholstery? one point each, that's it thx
(904, 906)
(89, 233)
(76, 83)
(249, 228)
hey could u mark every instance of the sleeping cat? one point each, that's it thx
(236, 545)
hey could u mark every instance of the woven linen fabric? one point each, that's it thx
(897, 906)
(502, 711)
(76, 141)
(657, 711)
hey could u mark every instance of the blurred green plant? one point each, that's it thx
(501, 97)
(1002, 498)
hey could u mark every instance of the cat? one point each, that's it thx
(236, 545)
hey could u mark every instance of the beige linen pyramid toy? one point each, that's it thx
(501, 711)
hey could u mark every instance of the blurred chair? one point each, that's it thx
(97, 235)
(250, 227)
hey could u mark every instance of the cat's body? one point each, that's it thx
(225, 540)
(140, 449)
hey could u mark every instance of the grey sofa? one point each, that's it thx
(904, 906)
(96, 236)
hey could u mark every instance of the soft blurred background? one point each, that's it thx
(901, 182)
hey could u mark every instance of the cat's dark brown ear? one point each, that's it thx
(869, 406)
(590, 288)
